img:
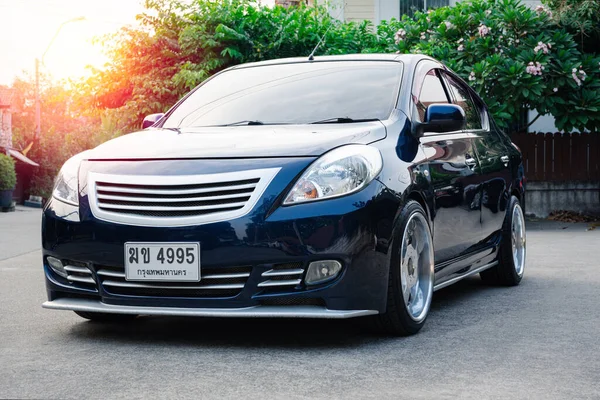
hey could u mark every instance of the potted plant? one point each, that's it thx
(8, 180)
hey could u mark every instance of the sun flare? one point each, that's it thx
(29, 27)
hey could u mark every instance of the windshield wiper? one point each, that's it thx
(343, 120)
(244, 122)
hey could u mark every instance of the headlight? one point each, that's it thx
(66, 185)
(344, 170)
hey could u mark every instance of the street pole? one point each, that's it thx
(38, 126)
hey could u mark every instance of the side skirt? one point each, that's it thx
(466, 274)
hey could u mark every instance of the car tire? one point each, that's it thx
(411, 257)
(105, 317)
(511, 255)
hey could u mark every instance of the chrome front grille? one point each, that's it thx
(176, 200)
(282, 276)
(80, 275)
(217, 282)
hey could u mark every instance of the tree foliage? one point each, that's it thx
(8, 178)
(517, 58)
(581, 18)
(67, 128)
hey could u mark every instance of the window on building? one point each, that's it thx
(409, 7)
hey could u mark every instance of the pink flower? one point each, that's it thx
(483, 30)
(582, 75)
(400, 35)
(543, 10)
(534, 69)
(542, 46)
(449, 25)
(461, 48)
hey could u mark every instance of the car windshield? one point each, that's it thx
(297, 93)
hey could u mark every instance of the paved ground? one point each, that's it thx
(539, 340)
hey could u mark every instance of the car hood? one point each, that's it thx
(237, 141)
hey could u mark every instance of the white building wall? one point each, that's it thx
(336, 9)
(386, 10)
(380, 10)
(359, 10)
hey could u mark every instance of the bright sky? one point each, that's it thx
(27, 27)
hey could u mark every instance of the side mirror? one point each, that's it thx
(441, 118)
(151, 119)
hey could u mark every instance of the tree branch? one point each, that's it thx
(524, 129)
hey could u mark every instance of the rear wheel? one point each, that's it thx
(105, 317)
(511, 256)
(410, 286)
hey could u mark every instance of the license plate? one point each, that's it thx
(173, 262)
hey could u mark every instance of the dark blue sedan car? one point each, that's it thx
(337, 187)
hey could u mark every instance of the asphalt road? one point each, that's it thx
(538, 340)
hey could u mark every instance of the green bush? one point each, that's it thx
(517, 58)
(8, 177)
(221, 34)
(581, 18)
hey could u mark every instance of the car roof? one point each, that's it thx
(408, 59)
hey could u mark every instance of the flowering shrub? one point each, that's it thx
(8, 177)
(514, 56)
(581, 18)
(517, 58)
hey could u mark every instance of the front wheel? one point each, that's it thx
(511, 256)
(410, 286)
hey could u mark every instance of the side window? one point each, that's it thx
(463, 98)
(483, 113)
(432, 91)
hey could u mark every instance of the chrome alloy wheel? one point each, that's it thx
(416, 268)
(517, 233)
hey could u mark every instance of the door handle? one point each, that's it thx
(505, 160)
(470, 162)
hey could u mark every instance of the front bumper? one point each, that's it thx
(354, 230)
(87, 305)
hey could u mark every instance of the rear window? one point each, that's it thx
(293, 94)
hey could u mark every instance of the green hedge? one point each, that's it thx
(517, 58)
(8, 177)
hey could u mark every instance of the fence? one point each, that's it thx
(560, 157)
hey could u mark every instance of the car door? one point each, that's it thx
(453, 172)
(491, 153)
